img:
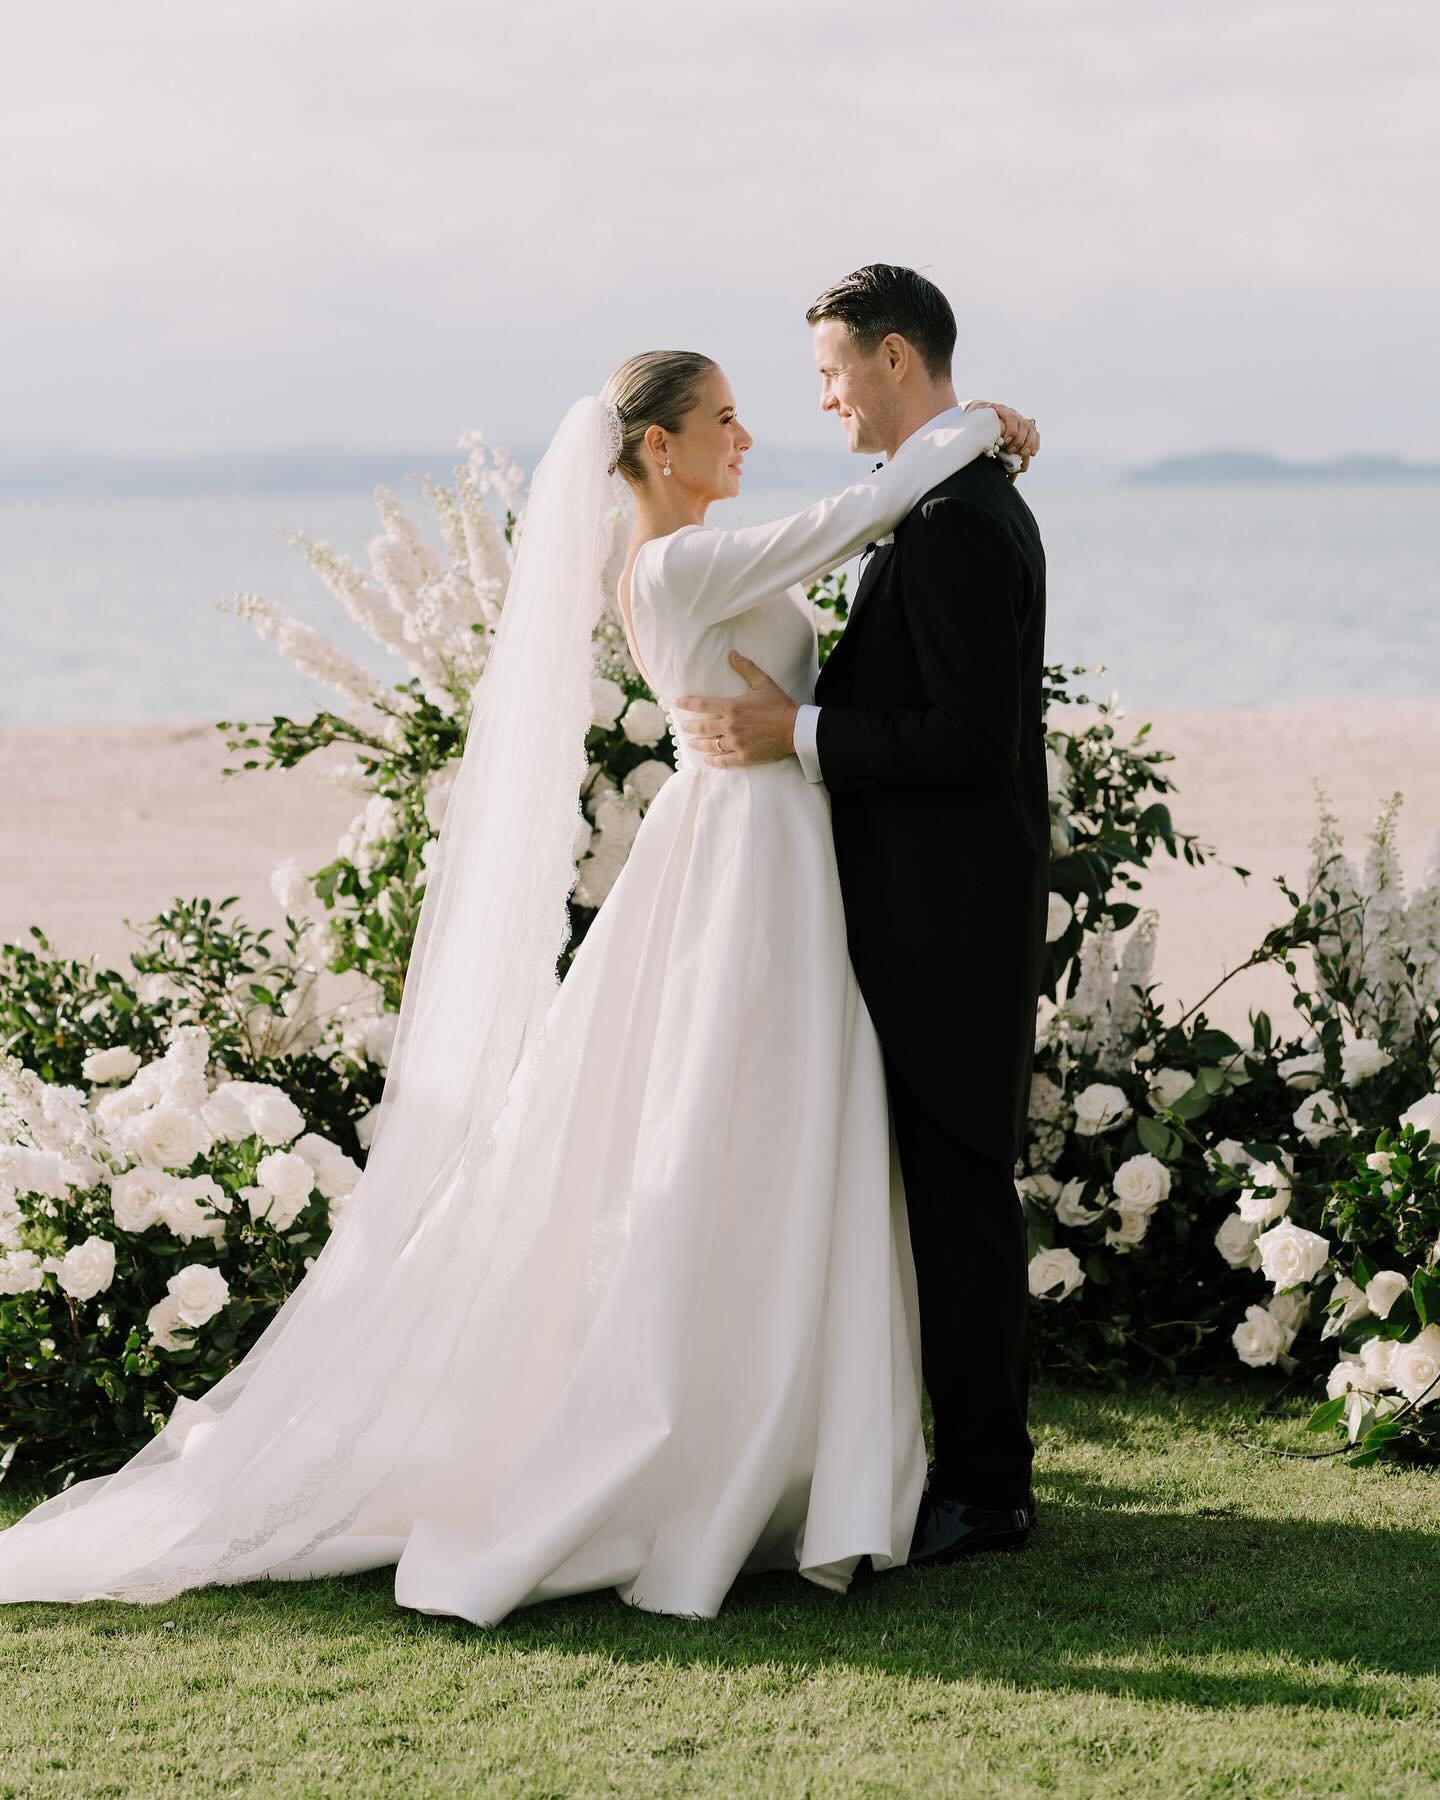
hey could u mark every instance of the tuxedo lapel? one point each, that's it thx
(870, 577)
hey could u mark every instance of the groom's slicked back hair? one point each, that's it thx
(881, 298)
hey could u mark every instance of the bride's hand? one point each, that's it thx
(1018, 433)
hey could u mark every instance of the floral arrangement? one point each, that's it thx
(151, 1222)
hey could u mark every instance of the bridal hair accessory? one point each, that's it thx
(614, 435)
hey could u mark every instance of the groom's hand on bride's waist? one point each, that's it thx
(758, 726)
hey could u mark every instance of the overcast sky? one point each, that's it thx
(1163, 224)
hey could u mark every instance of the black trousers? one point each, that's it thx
(967, 1232)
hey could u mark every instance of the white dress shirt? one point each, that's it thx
(807, 718)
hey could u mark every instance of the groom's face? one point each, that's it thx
(857, 387)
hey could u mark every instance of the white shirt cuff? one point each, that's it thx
(807, 723)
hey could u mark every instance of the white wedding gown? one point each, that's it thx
(693, 1350)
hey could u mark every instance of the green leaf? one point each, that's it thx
(1326, 1416)
(1158, 1138)
(1425, 1291)
(1364, 1270)
(1190, 1105)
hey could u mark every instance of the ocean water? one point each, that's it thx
(1201, 596)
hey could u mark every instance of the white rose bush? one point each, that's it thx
(149, 1229)
(177, 1141)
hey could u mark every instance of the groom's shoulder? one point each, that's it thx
(981, 486)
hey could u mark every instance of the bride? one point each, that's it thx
(624, 1297)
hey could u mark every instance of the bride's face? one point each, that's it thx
(706, 453)
(858, 388)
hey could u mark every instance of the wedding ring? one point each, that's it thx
(719, 746)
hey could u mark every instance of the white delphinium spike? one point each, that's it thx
(1090, 1005)
(1137, 963)
(310, 651)
(1389, 998)
(422, 564)
(368, 605)
(1333, 881)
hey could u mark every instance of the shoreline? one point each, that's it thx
(107, 822)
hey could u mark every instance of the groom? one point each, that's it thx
(929, 733)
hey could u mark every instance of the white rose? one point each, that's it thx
(1167, 1085)
(182, 1210)
(1142, 1181)
(1060, 843)
(365, 1127)
(1377, 1356)
(1046, 1098)
(1383, 1290)
(1347, 1375)
(288, 1182)
(20, 1272)
(1260, 1339)
(1415, 1367)
(1057, 918)
(336, 1174)
(1055, 1274)
(1355, 1307)
(167, 1137)
(1290, 1255)
(1039, 1187)
(1134, 1222)
(1070, 1207)
(1235, 1240)
(227, 1112)
(1291, 1310)
(198, 1291)
(1264, 1209)
(1379, 1161)
(1318, 1117)
(1303, 1072)
(189, 1423)
(1424, 1115)
(583, 839)
(598, 874)
(114, 1064)
(1058, 774)
(1362, 1059)
(136, 1196)
(606, 699)
(618, 819)
(646, 779)
(1099, 1107)
(87, 1269)
(1229, 1151)
(273, 1114)
(164, 1324)
(644, 723)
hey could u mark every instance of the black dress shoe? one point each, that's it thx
(948, 1529)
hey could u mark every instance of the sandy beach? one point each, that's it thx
(106, 823)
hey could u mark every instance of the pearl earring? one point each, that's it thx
(666, 469)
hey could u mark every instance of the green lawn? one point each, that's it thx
(1193, 1618)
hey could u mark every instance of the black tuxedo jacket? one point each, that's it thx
(931, 740)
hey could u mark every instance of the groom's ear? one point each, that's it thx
(897, 354)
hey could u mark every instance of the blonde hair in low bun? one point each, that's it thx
(658, 387)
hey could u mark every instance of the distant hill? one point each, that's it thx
(1257, 465)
